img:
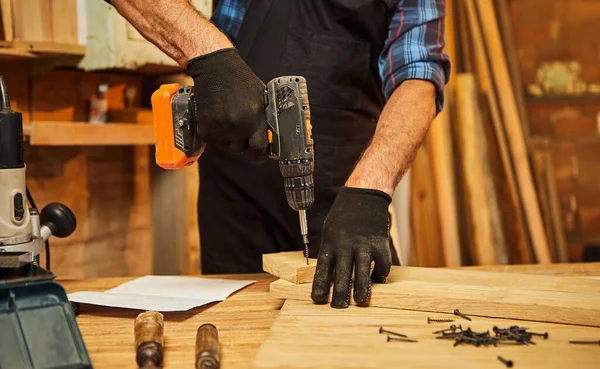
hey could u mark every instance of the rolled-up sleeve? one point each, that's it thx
(414, 47)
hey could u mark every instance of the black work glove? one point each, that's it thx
(355, 233)
(230, 102)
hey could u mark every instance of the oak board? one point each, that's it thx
(567, 300)
(305, 335)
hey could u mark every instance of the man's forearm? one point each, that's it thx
(174, 26)
(400, 131)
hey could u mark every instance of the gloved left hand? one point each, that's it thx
(355, 233)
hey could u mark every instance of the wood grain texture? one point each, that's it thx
(562, 252)
(486, 234)
(305, 335)
(535, 298)
(243, 321)
(539, 173)
(282, 266)
(46, 48)
(107, 190)
(7, 20)
(567, 269)
(74, 133)
(31, 19)
(514, 130)
(64, 21)
(425, 228)
(486, 85)
(290, 266)
(439, 140)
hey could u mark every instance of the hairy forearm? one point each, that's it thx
(400, 131)
(174, 26)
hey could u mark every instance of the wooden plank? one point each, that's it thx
(539, 171)
(48, 48)
(290, 266)
(64, 21)
(442, 163)
(425, 225)
(14, 54)
(512, 59)
(567, 270)
(562, 252)
(487, 238)
(305, 335)
(565, 300)
(486, 82)
(31, 20)
(74, 133)
(514, 129)
(7, 20)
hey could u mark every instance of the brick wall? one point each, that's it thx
(558, 46)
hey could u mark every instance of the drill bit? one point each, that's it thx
(304, 231)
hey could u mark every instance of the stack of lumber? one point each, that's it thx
(480, 195)
(308, 335)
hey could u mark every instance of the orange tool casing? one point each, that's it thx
(168, 155)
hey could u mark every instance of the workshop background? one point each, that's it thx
(509, 172)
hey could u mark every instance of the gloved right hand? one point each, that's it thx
(230, 102)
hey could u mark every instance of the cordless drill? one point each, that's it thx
(289, 132)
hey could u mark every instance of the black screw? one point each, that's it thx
(429, 320)
(545, 335)
(458, 313)
(400, 339)
(381, 330)
(508, 363)
(585, 342)
(452, 329)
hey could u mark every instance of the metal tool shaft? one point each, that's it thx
(304, 231)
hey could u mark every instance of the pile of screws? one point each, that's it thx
(514, 335)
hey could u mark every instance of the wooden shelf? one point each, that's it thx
(34, 49)
(563, 99)
(86, 134)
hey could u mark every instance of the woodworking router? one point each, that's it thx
(39, 329)
(289, 131)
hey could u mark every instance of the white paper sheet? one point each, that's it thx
(162, 293)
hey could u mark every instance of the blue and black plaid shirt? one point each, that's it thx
(413, 49)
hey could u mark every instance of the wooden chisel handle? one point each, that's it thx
(207, 347)
(148, 331)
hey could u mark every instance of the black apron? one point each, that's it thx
(335, 45)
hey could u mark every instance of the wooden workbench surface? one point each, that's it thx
(243, 320)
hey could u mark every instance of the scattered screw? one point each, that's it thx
(458, 313)
(508, 363)
(400, 339)
(585, 342)
(545, 335)
(429, 320)
(381, 330)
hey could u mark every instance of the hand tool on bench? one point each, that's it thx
(207, 347)
(289, 130)
(148, 331)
